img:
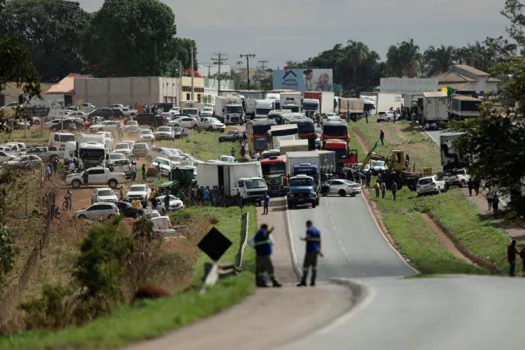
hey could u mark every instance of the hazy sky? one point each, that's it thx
(281, 30)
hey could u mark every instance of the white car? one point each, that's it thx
(131, 127)
(185, 122)
(175, 111)
(334, 118)
(25, 162)
(458, 177)
(116, 156)
(98, 211)
(430, 184)
(175, 203)
(123, 148)
(165, 165)
(108, 125)
(4, 157)
(341, 187)
(103, 195)
(210, 124)
(165, 133)
(387, 116)
(77, 115)
(227, 159)
(139, 192)
(378, 166)
(331, 115)
(207, 112)
(146, 134)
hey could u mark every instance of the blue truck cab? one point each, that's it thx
(304, 186)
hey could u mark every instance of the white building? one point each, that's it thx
(469, 79)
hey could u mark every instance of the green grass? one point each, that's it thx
(203, 145)
(130, 324)
(33, 137)
(454, 211)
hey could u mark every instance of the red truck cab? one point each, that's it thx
(274, 172)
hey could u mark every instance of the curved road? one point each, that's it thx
(352, 244)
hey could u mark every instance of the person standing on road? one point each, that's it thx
(143, 169)
(266, 203)
(368, 179)
(366, 116)
(167, 202)
(232, 152)
(470, 187)
(382, 137)
(85, 177)
(121, 192)
(377, 187)
(394, 190)
(511, 257)
(263, 247)
(313, 250)
(495, 205)
(490, 200)
(477, 184)
(383, 189)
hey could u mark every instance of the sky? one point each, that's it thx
(293, 30)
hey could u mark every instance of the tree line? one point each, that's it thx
(356, 67)
(123, 38)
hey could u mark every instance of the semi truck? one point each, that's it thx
(306, 129)
(263, 107)
(304, 181)
(278, 133)
(248, 100)
(326, 101)
(351, 107)
(257, 132)
(450, 159)
(229, 110)
(274, 173)
(291, 100)
(275, 97)
(343, 155)
(232, 179)
(435, 107)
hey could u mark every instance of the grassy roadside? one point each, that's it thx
(129, 324)
(403, 217)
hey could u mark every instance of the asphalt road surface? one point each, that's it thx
(434, 135)
(352, 244)
(476, 312)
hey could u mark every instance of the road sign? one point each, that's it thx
(214, 244)
(36, 111)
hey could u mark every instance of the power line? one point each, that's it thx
(263, 64)
(219, 60)
(262, 69)
(209, 66)
(248, 56)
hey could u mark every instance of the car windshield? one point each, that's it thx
(137, 188)
(132, 123)
(255, 183)
(140, 146)
(164, 129)
(273, 168)
(145, 132)
(106, 193)
(335, 130)
(378, 163)
(301, 182)
(425, 181)
(122, 146)
(214, 121)
(162, 161)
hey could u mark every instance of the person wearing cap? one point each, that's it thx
(263, 247)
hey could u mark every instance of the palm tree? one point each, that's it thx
(404, 59)
(438, 60)
(356, 54)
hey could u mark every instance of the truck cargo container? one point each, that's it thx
(248, 100)
(386, 101)
(352, 107)
(228, 109)
(463, 107)
(263, 107)
(291, 100)
(293, 146)
(435, 107)
(326, 102)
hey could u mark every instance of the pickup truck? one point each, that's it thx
(46, 153)
(97, 176)
(210, 124)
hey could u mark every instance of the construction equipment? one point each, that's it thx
(398, 172)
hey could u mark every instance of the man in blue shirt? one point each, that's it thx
(263, 248)
(313, 249)
(266, 203)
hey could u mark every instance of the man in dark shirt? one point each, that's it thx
(313, 250)
(511, 257)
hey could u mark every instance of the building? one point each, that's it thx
(463, 78)
(211, 89)
(12, 91)
(64, 90)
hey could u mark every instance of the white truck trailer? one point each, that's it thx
(435, 107)
(286, 146)
(229, 110)
(291, 100)
(263, 107)
(386, 101)
(232, 178)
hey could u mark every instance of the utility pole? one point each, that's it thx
(192, 75)
(219, 60)
(262, 68)
(209, 69)
(248, 56)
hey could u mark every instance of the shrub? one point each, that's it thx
(7, 253)
(51, 311)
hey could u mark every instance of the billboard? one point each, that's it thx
(303, 79)
(408, 85)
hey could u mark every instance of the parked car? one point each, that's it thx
(45, 153)
(175, 111)
(232, 135)
(165, 133)
(340, 187)
(4, 157)
(456, 177)
(387, 116)
(116, 156)
(210, 124)
(25, 162)
(146, 135)
(165, 164)
(96, 176)
(185, 122)
(103, 195)
(150, 119)
(108, 125)
(98, 211)
(131, 127)
(430, 184)
(141, 150)
(123, 148)
(140, 192)
(126, 210)
(106, 113)
(377, 166)
(175, 203)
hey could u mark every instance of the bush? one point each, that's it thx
(51, 311)
(7, 253)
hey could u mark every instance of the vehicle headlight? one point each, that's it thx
(312, 194)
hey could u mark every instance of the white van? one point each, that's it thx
(60, 139)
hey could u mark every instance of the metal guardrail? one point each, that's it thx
(216, 270)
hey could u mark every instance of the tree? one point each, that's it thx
(356, 53)
(52, 30)
(131, 38)
(404, 60)
(476, 55)
(438, 60)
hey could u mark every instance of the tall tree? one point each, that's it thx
(404, 59)
(131, 38)
(476, 55)
(356, 53)
(52, 30)
(438, 60)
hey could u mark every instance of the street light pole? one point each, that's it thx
(180, 83)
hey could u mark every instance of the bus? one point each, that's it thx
(257, 133)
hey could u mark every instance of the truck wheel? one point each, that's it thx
(313, 205)
(112, 183)
(76, 184)
(210, 128)
(342, 193)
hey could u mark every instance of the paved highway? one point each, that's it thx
(352, 244)
(476, 312)
(434, 135)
